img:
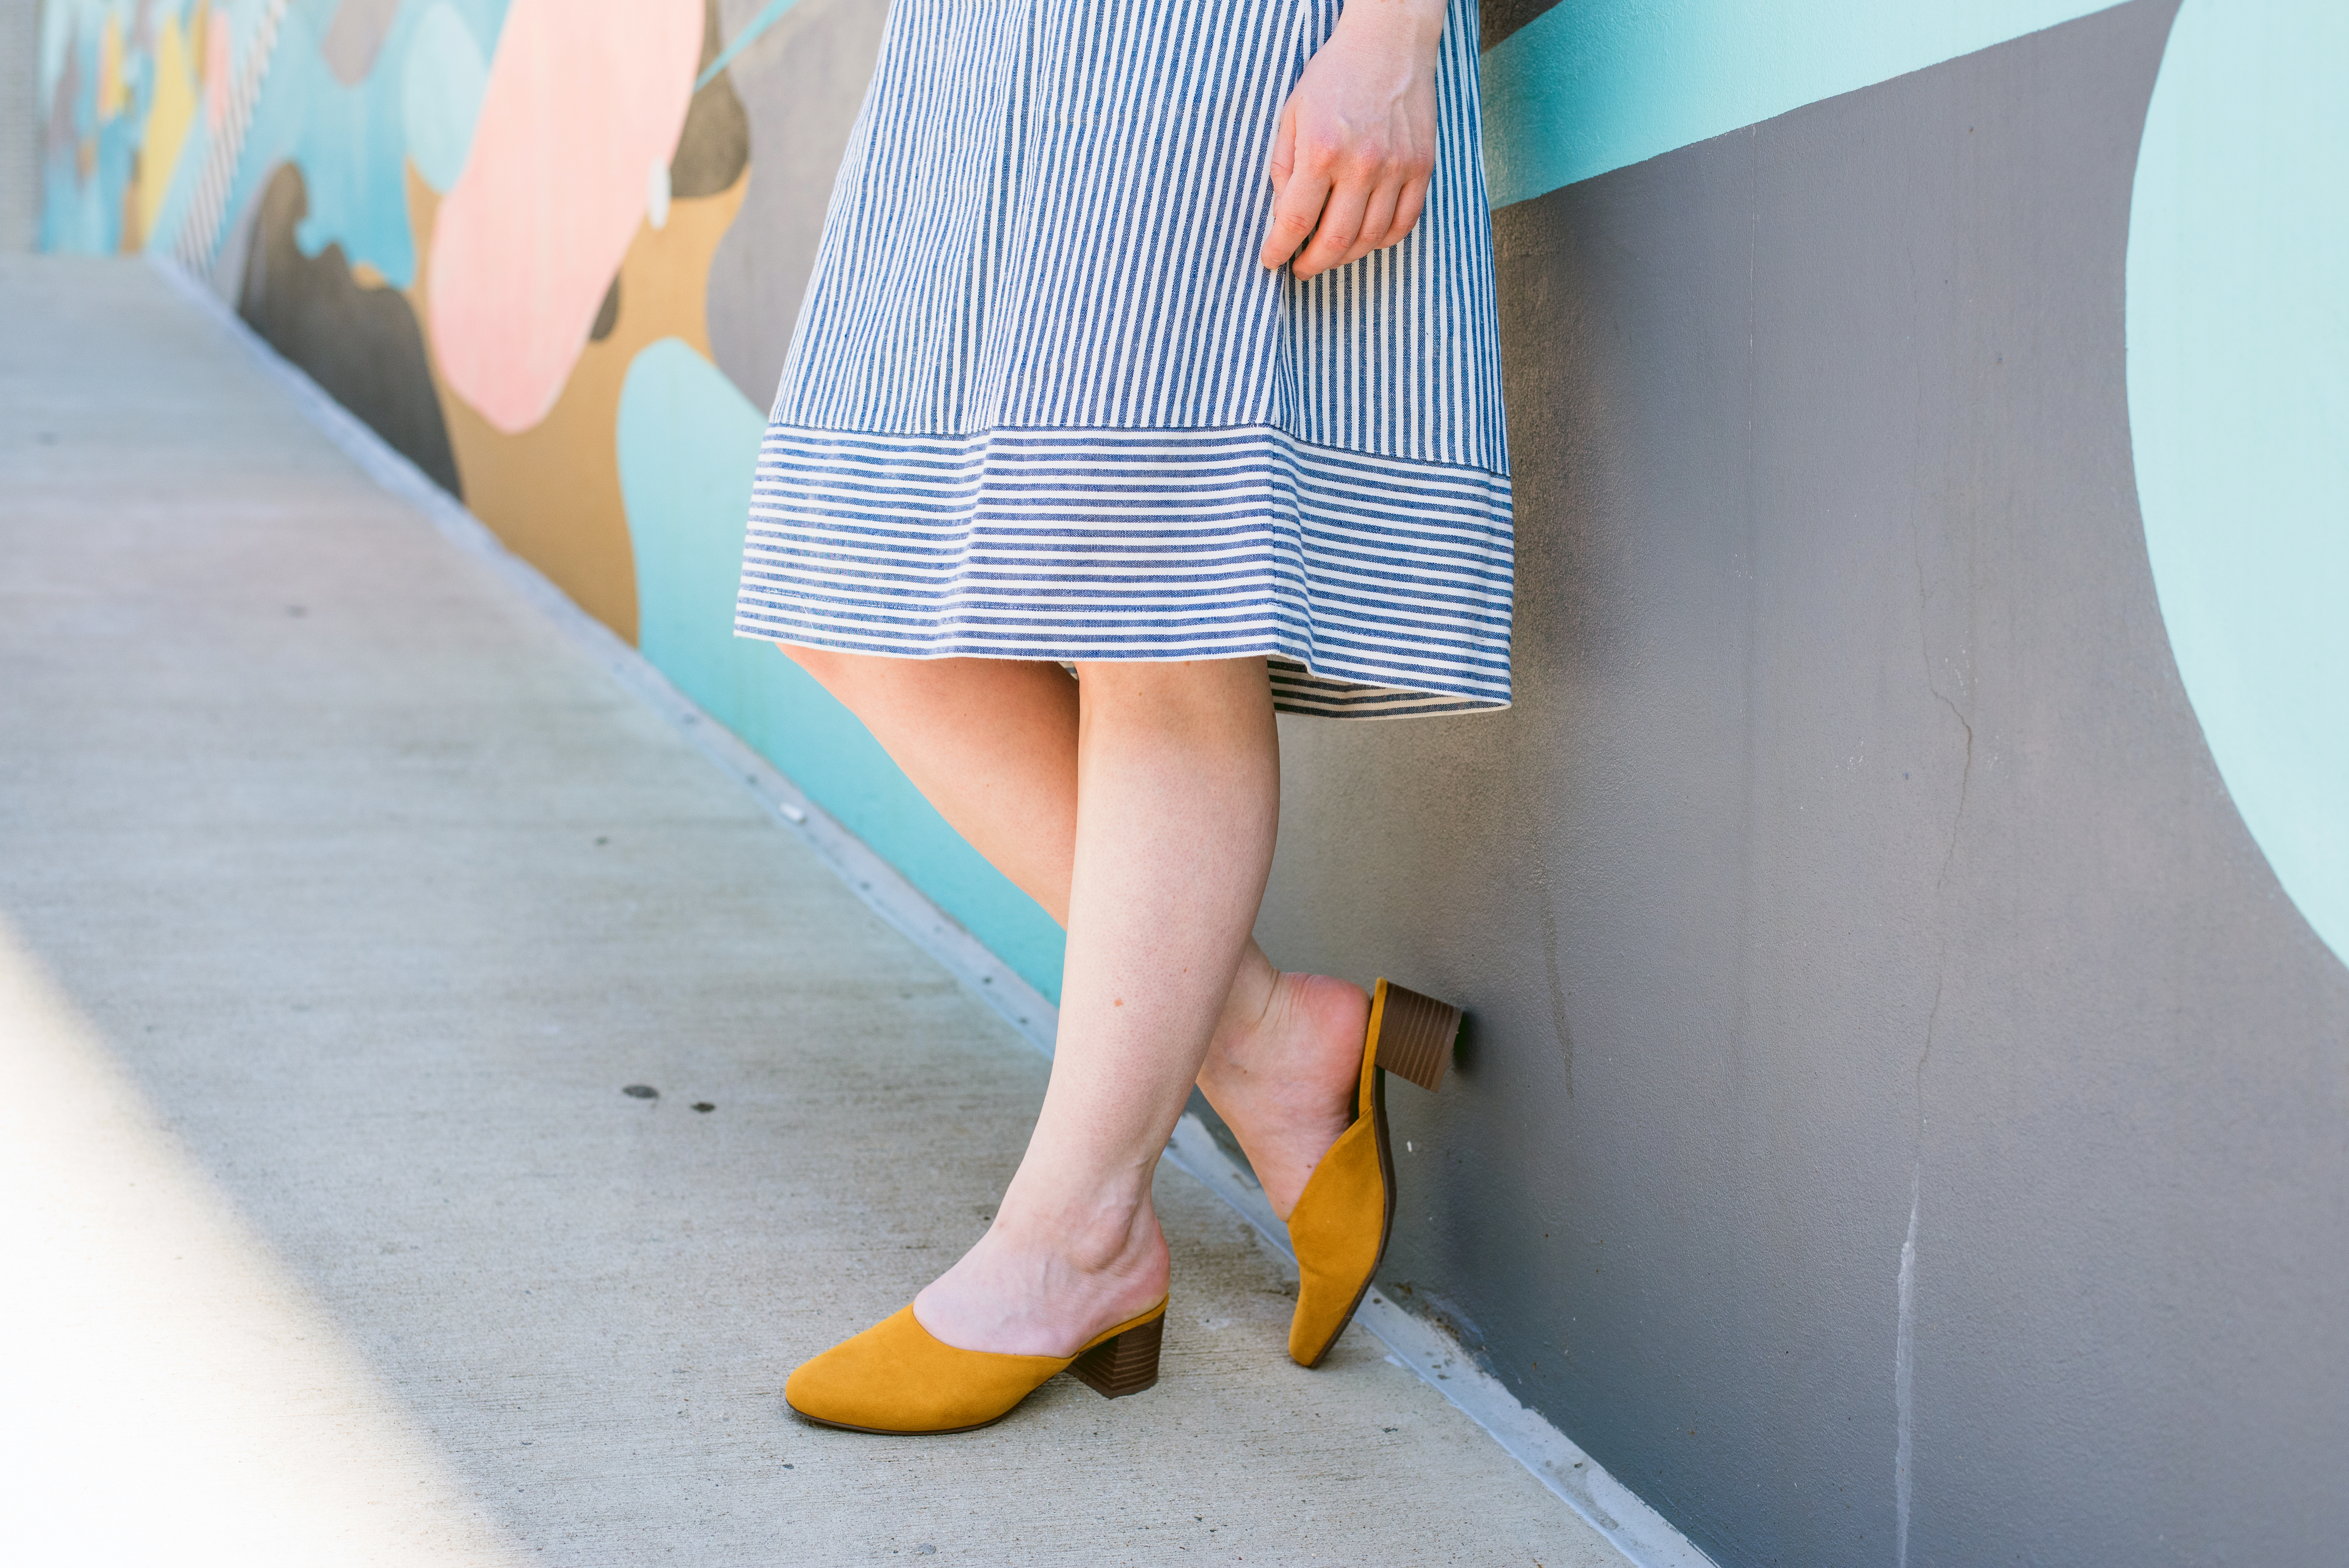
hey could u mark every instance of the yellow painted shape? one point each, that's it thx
(134, 234)
(551, 492)
(173, 110)
(111, 90)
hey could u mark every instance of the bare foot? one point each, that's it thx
(1282, 1072)
(1043, 1286)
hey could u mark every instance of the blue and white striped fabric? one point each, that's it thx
(1042, 402)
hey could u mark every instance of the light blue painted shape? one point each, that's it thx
(76, 216)
(350, 140)
(440, 94)
(2238, 410)
(688, 444)
(743, 40)
(1594, 85)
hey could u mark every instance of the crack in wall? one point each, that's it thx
(1904, 1374)
(1904, 1347)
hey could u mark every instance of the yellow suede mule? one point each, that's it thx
(898, 1377)
(1340, 1223)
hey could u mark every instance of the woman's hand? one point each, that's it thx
(1356, 142)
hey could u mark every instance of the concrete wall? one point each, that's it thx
(1901, 1114)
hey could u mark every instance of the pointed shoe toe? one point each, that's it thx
(1342, 1221)
(899, 1377)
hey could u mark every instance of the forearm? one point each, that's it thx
(1415, 24)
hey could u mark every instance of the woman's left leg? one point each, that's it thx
(1178, 784)
(992, 744)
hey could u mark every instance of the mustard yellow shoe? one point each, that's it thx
(1340, 1223)
(898, 1377)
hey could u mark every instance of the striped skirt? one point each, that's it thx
(1042, 402)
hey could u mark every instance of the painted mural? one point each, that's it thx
(552, 250)
(493, 230)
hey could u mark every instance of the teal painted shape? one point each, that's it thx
(2238, 410)
(689, 443)
(743, 39)
(350, 140)
(350, 144)
(1594, 85)
(77, 215)
(440, 94)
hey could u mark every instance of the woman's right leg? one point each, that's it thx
(992, 745)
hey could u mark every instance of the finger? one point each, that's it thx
(1409, 206)
(1294, 214)
(1284, 148)
(1340, 225)
(1378, 218)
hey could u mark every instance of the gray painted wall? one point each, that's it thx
(20, 123)
(1850, 897)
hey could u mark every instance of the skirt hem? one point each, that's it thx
(1381, 587)
(1296, 687)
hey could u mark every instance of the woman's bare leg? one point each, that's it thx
(992, 744)
(1177, 798)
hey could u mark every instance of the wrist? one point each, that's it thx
(1419, 23)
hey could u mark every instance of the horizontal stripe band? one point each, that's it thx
(926, 566)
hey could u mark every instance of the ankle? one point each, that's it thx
(1029, 1290)
(1086, 1238)
(1255, 985)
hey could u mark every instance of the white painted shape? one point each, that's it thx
(657, 191)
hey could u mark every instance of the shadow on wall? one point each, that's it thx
(493, 229)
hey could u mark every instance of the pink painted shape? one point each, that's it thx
(217, 67)
(584, 97)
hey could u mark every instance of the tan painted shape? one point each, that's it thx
(551, 492)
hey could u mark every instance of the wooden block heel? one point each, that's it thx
(1412, 1034)
(1125, 1365)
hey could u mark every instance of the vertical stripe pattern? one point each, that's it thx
(1042, 402)
(199, 239)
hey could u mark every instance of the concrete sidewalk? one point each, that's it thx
(340, 895)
